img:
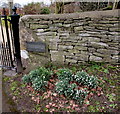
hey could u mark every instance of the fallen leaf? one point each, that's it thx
(93, 89)
(53, 110)
(33, 97)
(14, 98)
(68, 107)
(55, 94)
(52, 80)
(77, 109)
(50, 103)
(53, 104)
(47, 106)
(99, 89)
(62, 96)
(99, 94)
(71, 102)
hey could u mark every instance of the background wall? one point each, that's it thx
(73, 38)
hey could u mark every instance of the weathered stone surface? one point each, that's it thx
(10, 73)
(78, 28)
(46, 34)
(101, 55)
(75, 38)
(98, 45)
(53, 44)
(71, 61)
(74, 51)
(117, 57)
(62, 34)
(92, 39)
(83, 57)
(40, 30)
(67, 25)
(106, 51)
(81, 48)
(24, 54)
(57, 56)
(68, 22)
(63, 47)
(115, 29)
(84, 34)
(95, 58)
(36, 26)
(91, 50)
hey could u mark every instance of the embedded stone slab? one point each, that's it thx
(10, 73)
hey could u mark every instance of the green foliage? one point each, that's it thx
(84, 79)
(68, 84)
(45, 10)
(38, 78)
(32, 8)
(62, 86)
(39, 84)
(13, 86)
(92, 108)
(111, 97)
(6, 79)
(108, 7)
(113, 105)
(70, 91)
(26, 79)
(80, 95)
(65, 74)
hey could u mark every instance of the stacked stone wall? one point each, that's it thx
(75, 38)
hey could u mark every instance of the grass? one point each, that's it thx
(50, 101)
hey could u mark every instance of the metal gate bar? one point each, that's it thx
(10, 46)
(8, 39)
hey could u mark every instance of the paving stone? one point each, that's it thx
(10, 73)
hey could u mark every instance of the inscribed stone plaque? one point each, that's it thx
(36, 46)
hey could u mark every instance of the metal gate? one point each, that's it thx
(9, 41)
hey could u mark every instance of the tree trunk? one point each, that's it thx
(59, 7)
(115, 4)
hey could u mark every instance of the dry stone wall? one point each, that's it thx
(75, 38)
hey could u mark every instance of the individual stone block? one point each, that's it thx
(83, 57)
(116, 58)
(46, 34)
(84, 34)
(40, 30)
(107, 51)
(95, 58)
(74, 51)
(63, 47)
(67, 25)
(101, 55)
(98, 44)
(57, 57)
(91, 50)
(93, 39)
(37, 26)
(71, 61)
(80, 28)
(53, 44)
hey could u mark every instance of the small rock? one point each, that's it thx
(24, 54)
(10, 73)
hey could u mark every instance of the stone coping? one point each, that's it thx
(91, 14)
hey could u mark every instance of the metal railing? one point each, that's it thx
(9, 44)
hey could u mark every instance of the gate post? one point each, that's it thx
(15, 26)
